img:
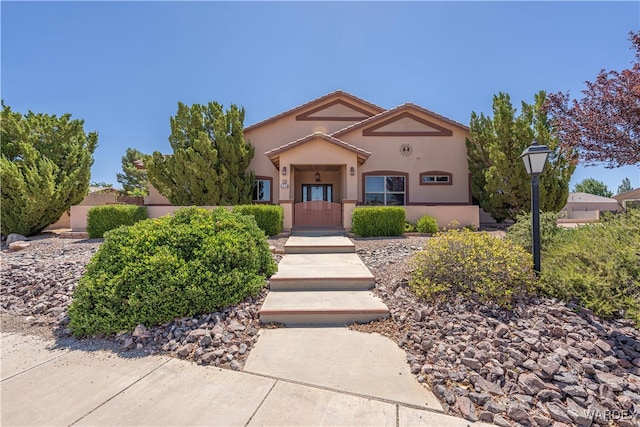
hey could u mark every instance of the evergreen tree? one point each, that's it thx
(499, 180)
(45, 168)
(210, 158)
(134, 181)
(593, 186)
(625, 186)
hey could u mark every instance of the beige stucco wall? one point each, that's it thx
(446, 215)
(441, 153)
(155, 198)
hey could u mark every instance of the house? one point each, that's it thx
(327, 157)
(629, 199)
(587, 207)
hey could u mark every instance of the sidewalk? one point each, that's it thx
(42, 385)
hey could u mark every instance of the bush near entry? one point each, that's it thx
(379, 221)
(176, 266)
(477, 265)
(101, 219)
(597, 265)
(268, 217)
(427, 224)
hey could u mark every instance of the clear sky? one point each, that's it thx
(123, 66)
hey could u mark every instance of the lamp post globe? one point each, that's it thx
(534, 158)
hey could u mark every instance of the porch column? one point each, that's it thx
(287, 206)
(348, 206)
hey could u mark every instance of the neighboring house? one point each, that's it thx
(629, 199)
(322, 159)
(585, 206)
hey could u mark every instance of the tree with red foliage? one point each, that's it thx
(603, 126)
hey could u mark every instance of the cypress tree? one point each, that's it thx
(210, 158)
(499, 180)
(45, 168)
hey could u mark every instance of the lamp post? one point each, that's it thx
(535, 159)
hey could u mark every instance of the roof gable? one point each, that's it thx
(405, 120)
(274, 155)
(406, 124)
(335, 106)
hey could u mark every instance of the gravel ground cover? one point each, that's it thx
(542, 363)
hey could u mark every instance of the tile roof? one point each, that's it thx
(403, 107)
(319, 100)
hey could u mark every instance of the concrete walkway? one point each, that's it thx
(47, 386)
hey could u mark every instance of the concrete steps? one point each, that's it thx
(321, 283)
(316, 272)
(322, 308)
(319, 244)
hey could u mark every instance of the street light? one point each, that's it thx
(535, 158)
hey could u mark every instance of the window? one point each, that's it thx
(384, 190)
(435, 178)
(262, 190)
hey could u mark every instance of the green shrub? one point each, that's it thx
(476, 265)
(101, 219)
(194, 262)
(427, 224)
(268, 217)
(409, 227)
(378, 221)
(520, 232)
(598, 266)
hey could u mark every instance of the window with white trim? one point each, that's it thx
(435, 178)
(384, 190)
(262, 190)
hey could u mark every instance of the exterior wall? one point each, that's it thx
(586, 206)
(155, 198)
(446, 215)
(63, 222)
(439, 153)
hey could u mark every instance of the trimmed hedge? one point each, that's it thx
(101, 219)
(268, 217)
(193, 262)
(477, 265)
(378, 221)
(427, 224)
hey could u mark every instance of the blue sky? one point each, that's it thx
(123, 66)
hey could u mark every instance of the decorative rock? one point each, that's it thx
(613, 382)
(140, 332)
(501, 421)
(530, 384)
(548, 366)
(558, 413)
(577, 413)
(548, 394)
(501, 330)
(18, 246)
(485, 416)
(466, 408)
(517, 412)
(14, 237)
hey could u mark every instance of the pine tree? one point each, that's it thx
(625, 186)
(45, 168)
(210, 158)
(134, 180)
(499, 180)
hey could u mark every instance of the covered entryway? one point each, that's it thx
(318, 181)
(317, 208)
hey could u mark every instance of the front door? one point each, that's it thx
(317, 208)
(313, 192)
